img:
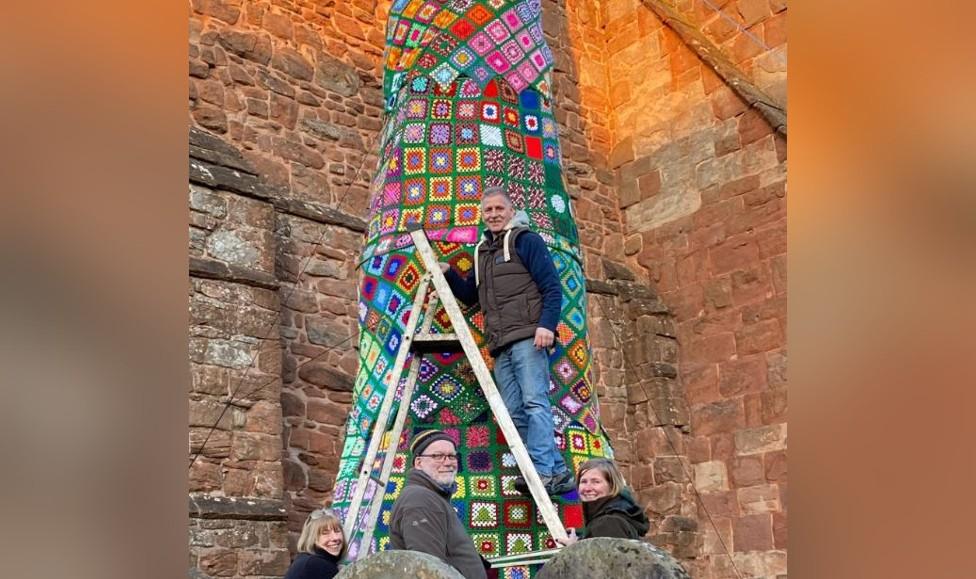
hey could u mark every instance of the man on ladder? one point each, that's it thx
(515, 282)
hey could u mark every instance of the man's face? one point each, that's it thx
(436, 462)
(496, 212)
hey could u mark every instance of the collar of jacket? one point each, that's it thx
(323, 553)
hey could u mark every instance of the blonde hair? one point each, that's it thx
(608, 469)
(317, 521)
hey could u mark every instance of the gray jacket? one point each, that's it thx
(424, 520)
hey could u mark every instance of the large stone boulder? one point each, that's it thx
(616, 558)
(399, 565)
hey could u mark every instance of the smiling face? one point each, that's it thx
(593, 485)
(496, 212)
(330, 539)
(443, 470)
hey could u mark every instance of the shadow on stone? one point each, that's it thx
(616, 558)
(400, 565)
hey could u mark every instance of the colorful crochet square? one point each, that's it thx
(467, 95)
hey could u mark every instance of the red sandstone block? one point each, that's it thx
(726, 104)
(278, 24)
(219, 563)
(715, 348)
(775, 466)
(753, 405)
(701, 383)
(742, 376)
(743, 47)
(669, 41)
(723, 446)
(698, 449)
(753, 533)
(774, 30)
(735, 253)
(683, 59)
(264, 562)
(692, 268)
(348, 26)
(327, 412)
(711, 81)
(718, 292)
(752, 127)
(774, 406)
(204, 476)
(746, 471)
(226, 11)
(780, 143)
(778, 269)
(721, 416)
(772, 241)
(759, 337)
(721, 504)
(739, 187)
(773, 308)
(649, 184)
(750, 286)
(780, 529)
(719, 29)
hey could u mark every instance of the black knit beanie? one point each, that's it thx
(425, 438)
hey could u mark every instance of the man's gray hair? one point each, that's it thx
(497, 191)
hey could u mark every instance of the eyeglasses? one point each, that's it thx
(442, 456)
(319, 513)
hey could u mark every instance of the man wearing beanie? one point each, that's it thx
(423, 518)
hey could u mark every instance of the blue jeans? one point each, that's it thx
(522, 375)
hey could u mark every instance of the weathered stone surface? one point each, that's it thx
(397, 565)
(327, 376)
(218, 176)
(320, 213)
(616, 558)
(212, 269)
(254, 509)
(335, 75)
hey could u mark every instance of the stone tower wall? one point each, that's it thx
(678, 190)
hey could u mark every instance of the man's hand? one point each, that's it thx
(444, 266)
(543, 338)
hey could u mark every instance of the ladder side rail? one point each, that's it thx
(543, 502)
(379, 427)
(390, 454)
(401, 418)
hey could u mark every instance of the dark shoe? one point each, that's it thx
(561, 484)
(522, 486)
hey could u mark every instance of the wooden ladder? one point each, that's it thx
(420, 343)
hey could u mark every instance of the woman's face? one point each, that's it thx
(330, 540)
(593, 485)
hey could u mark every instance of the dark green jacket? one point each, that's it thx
(616, 517)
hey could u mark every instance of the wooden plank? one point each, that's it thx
(379, 426)
(543, 502)
(516, 559)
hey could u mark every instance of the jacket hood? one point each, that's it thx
(622, 504)
(519, 220)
